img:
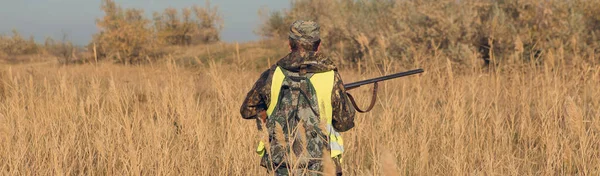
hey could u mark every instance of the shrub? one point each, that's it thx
(17, 45)
(172, 29)
(210, 23)
(125, 34)
(496, 30)
(196, 25)
(64, 50)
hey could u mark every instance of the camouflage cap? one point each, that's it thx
(306, 31)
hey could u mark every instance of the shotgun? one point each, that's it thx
(374, 81)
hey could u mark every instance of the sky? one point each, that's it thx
(76, 18)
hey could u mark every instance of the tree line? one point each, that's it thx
(126, 35)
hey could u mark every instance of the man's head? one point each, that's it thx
(304, 36)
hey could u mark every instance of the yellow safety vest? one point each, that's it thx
(323, 84)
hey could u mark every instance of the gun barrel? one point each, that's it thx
(383, 78)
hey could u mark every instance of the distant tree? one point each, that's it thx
(17, 45)
(275, 24)
(64, 49)
(173, 29)
(125, 34)
(210, 23)
(198, 25)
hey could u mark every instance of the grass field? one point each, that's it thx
(108, 119)
(172, 106)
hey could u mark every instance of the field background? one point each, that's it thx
(494, 100)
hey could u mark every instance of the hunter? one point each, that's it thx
(303, 104)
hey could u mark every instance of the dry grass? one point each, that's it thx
(533, 111)
(402, 29)
(164, 119)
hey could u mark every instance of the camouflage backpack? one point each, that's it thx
(296, 135)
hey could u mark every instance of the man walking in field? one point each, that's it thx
(302, 102)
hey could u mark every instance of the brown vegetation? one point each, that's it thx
(127, 36)
(533, 111)
(498, 31)
(196, 25)
(166, 119)
(124, 35)
(16, 45)
(62, 49)
(15, 49)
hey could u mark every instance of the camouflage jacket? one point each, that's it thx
(258, 98)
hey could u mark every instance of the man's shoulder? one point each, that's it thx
(324, 58)
(268, 73)
(314, 62)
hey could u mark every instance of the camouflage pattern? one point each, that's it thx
(258, 98)
(312, 170)
(305, 31)
(285, 171)
(296, 133)
(314, 62)
(295, 137)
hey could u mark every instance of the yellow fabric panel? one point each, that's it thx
(337, 139)
(340, 140)
(323, 84)
(278, 78)
(335, 153)
(261, 149)
(333, 138)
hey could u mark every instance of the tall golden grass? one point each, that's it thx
(164, 119)
(532, 110)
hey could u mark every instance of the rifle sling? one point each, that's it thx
(373, 100)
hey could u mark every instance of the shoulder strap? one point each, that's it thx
(373, 100)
